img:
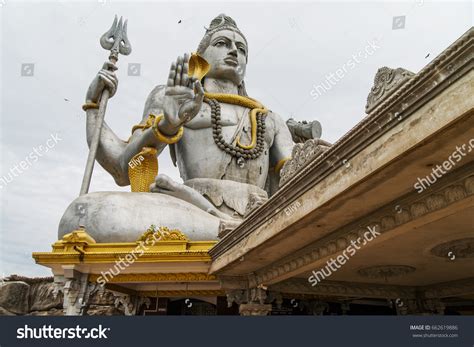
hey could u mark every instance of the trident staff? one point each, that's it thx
(117, 42)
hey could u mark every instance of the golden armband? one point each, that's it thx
(163, 138)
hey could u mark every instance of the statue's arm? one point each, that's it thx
(179, 101)
(280, 151)
(113, 153)
(110, 148)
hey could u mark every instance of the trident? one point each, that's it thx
(115, 40)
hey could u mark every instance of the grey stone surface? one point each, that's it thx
(124, 217)
(14, 297)
(303, 131)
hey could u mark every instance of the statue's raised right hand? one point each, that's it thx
(183, 97)
(105, 78)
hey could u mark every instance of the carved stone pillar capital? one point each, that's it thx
(255, 309)
(254, 301)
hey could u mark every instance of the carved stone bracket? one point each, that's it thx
(254, 301)
(130, 303)
(386, 81)
(418, 306)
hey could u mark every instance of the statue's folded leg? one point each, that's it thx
(124, 217)
(165, 185)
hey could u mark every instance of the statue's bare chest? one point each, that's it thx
(230, 116)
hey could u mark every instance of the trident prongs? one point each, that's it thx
(115, 39)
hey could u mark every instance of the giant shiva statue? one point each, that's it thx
(228, 147)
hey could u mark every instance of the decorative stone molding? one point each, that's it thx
(158, 277)
(302, 154)
(462, 248)
(300, 286)
(385, 271)
(455, 288)
(392, 215)
(386, 81)
(226, 226)
(303, 131)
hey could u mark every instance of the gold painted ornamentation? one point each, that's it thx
(198, 66)
(158, 277)
(164, 234)
(78, 247)
(74, 239)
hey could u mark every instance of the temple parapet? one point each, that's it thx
(386, 81)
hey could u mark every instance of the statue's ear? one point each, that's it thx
(173, 153)
(241, 89)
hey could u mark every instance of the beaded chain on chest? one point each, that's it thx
(235, 150)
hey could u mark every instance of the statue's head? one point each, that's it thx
(225, 49)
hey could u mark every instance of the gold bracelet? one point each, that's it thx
(163, 138)
(89, 105)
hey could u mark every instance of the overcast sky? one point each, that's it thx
(292, 47)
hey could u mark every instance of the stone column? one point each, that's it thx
(77, 290)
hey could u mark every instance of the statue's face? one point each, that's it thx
(227, 54)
